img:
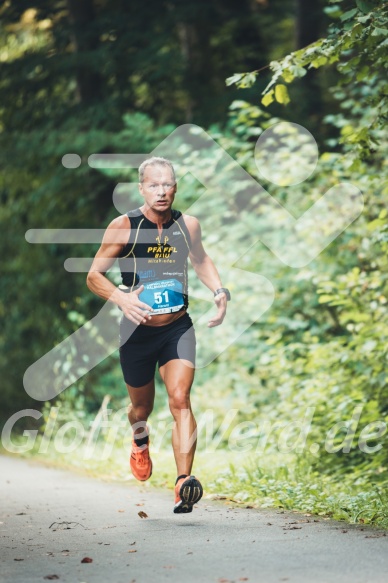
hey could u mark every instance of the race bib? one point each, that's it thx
(163, 296)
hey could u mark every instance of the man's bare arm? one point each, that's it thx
(205, 269)
(115, 238)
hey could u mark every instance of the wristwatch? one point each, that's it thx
(226, 292)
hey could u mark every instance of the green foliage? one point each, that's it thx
(99, 60)
(305, 491)
(336, 366)
(356, 42)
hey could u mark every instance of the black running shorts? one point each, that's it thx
(141, 347)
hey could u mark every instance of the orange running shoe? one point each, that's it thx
(140, 462)
(188, 491)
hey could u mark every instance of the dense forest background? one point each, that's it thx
(91, 76)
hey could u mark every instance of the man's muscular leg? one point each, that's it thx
(178, 376)
(142, 403)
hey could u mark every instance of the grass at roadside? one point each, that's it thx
(273, 481)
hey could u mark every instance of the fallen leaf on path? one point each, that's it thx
(142, 514)
(132, 551)
(18, 559)
(121, 511)
(51, 577)
(140, 504)
(21, 513)
(87, 560)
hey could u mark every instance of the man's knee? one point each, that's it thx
(179, 399)
(140, 411)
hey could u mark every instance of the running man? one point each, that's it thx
(152, 244)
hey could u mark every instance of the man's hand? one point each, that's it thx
(133, 308)
(221, 302)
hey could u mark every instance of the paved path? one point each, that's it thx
(51, 519)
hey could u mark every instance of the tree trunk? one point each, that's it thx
(309, 19)
(85, 40)
(308, 22)
(186, 41)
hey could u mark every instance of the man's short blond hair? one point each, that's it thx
(155, 161)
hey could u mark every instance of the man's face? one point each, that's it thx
(158, 187)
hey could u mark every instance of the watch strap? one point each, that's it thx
(225, 291)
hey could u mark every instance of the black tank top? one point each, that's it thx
(159, 262)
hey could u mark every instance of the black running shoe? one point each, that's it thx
(188, 491)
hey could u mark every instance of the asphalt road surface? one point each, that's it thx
(52, 519)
